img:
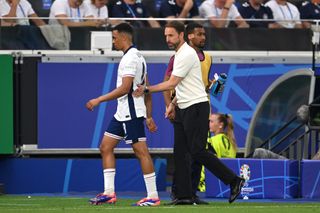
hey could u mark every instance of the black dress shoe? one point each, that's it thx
(181, 202)
(235, 188)
(198, 201)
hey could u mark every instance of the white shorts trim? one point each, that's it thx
(139, 139)
(113, 136)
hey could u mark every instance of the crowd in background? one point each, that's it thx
(268, 14)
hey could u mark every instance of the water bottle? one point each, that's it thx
(220, 80)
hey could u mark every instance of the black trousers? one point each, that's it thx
(190, 137)
(196, 169)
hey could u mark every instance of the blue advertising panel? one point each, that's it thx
(64, 89)
(264, 179)
(27, 175)
(310, 178)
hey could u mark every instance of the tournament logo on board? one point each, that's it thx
(245, 173)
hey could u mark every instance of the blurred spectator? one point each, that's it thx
(287, 14)
(262, 153)
(310, 10)
(132, 9)
(20, 9)
(215, 10)
(72, 13)
(254, 9)
(179, 9)
(98, 8)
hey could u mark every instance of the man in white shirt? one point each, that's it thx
(98, 8)
(191, 108)
(72, 13)
(218, 11)
(287, 14)
(21, 10)
(127, 123)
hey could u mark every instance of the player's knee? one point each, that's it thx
(142, 154)
(104, 149)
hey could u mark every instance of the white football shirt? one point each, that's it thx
(134, 65)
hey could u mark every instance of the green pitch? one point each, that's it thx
(50, 204)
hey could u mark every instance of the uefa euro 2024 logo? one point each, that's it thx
(245, 173)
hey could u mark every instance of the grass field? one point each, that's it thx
(77, 205)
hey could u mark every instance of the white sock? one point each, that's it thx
(109, 175)
(150, 181)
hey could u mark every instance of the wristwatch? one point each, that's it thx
(146, 90)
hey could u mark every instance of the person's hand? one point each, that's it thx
(139, 91)
(151, 125)
(170, 112)
(92, 103)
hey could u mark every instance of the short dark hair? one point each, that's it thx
(178, 26)
(124, 28)
(191, 26)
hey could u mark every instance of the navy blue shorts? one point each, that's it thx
(130, 131)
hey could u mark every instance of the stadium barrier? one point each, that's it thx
(265, 179)
(310, 178)
(45, 175)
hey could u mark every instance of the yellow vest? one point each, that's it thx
(222, 145)
(205, 68)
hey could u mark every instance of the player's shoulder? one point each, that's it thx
(188, 53)
(134, 54)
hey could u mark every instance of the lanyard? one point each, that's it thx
(217, 12)
(284, 15)
(23, 13)
(131, 11)
(78, 17)
(99, 13)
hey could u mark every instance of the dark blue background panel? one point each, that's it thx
(63, 120)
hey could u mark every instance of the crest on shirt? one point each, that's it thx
(265, 16)
(305, 3)
(172, 2)
(139, 10)
(246, 4)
